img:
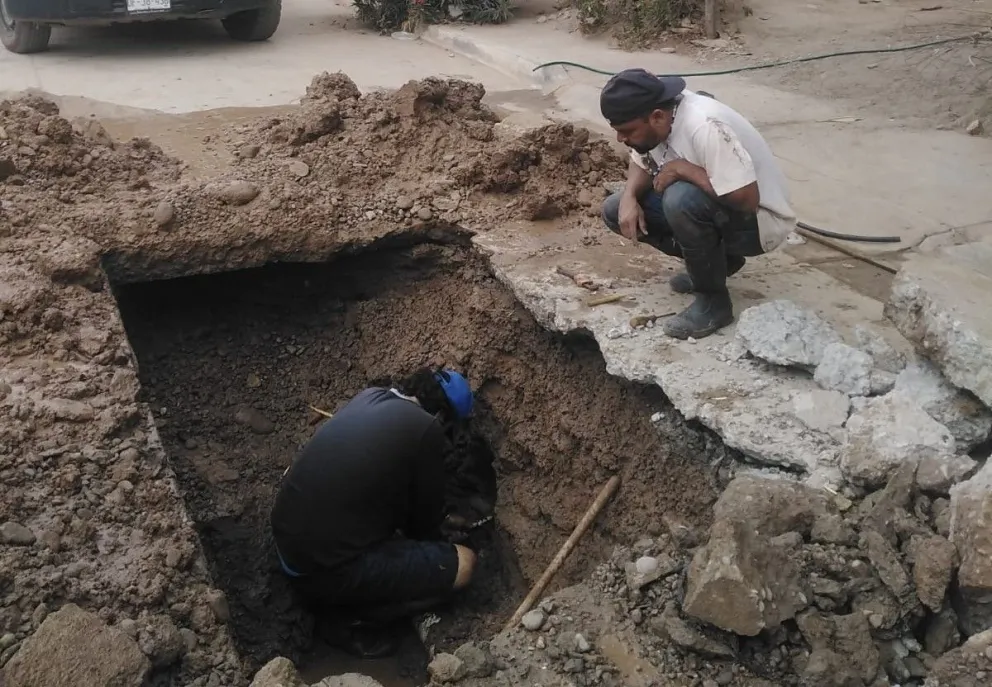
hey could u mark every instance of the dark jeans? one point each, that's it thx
(395, 579)
(685, 217)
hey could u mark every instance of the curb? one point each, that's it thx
(496, 56)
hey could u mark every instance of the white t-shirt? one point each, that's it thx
(715, 137)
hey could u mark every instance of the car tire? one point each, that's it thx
(254, 25)
(22, 37)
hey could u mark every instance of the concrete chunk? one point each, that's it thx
(971, 533)
(940, 303)
(821, 409)
(886, 358)
(845, 369)
(783, 333)
(75, 647)
(968, 419)
(886, 433)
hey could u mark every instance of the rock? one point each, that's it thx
(843, 649)
(934, 559)
(670, 626)
(7, 168)
(784, 334)
(574, 665)
(533, 620)
(582, 644)
(218, 604)
(279, 672)
(771, 506)
(8, 640)
(886, 433)
(971, 534)
(886, 561)
(404, 203)
(821, 410)
(833, 529)
(648, 569)
(941, 517)
(969, 421)
(348, 680)
(160, 640)
(882, 382)
(476, 659)
(253, 419)
(299, 168)
(248, 152)
(425, 214)
(16, 534)
(75, 647)
(938, 302)
(886, 358)
(942, 632)
(237, 193)
(742, 582)
(845, 369)
(961, 667)
(164, 213)
(447, 668)
(69, 410)
(975, 128)
(936, 475)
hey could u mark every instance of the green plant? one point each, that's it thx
(635, 22)
(409, 15)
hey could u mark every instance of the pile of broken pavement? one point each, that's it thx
(875, 571)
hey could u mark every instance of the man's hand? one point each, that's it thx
(455, 528)
(631, 217)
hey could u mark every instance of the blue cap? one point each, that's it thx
(457, 390)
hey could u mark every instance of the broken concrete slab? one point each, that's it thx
(971, 533)
(883, 354)
(886, 433)
(674, 628)
(845, 369)
(939, 302)
(772, 507)
(822, 410)
(75, 647)
(783, 333)
(968, 419)
(970, 664)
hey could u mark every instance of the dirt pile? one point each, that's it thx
(430, 149)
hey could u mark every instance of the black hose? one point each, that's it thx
(848, 237)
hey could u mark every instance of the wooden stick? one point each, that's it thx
(605, 494)
(321, 412)
(845, 250)
(603, 300)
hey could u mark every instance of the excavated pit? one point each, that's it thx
(230, 365)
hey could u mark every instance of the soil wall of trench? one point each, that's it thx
(230, 365)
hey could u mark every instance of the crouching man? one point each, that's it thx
(702, 185)
(359, 517)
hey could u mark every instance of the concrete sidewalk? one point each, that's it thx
(870, 176)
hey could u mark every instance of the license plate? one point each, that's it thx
(140, 6)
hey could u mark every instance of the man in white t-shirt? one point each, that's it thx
(702, 185)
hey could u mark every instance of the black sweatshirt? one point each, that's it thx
(374, 468)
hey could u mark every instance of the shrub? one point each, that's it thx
(408, 15)
(635, 22)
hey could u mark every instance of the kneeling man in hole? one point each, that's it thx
(362, 521)
(702, 185)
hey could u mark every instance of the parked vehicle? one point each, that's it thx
(26, 25)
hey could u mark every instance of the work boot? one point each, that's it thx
(707, 314)
(712, 309)
(682, 282)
